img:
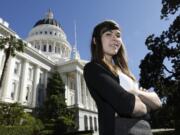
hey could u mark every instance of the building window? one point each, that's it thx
(91, 124)
(45, 32)
(37, 46)
(59, 50)
(40, 96)
(63, 51)
(72, 99)
(95, 124)
(50, 48)
(72, 85)
(16, 68)
(28, 91)
(13, 90)
(30, 73)
(50, 32)
(41, 80)
(85, 122)
(44, 48)
(55, 49)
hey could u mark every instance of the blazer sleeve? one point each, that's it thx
(103, 84)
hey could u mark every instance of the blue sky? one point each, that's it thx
(137, 18)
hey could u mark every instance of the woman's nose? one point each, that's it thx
(114, 37)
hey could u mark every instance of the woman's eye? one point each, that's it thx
(118, 35)
(108, 33)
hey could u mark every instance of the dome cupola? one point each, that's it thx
(49, 19)
(48, 37)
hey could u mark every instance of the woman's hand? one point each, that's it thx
(142, 89)
(150, 98)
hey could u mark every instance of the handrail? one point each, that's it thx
(162, 130)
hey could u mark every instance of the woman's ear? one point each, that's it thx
(94, 40)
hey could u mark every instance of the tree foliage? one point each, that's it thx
(55, 113)
(13, 117)
(160, 68)
(169, 7)
(10, 114)
(10, 45)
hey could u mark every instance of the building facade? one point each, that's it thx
(27, 73)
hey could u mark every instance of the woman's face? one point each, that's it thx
(111, 42)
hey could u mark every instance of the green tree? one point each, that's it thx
(160, 68)
(13, 117)
(169, 7)
(11, 114)
(55, 113)
(10, 45)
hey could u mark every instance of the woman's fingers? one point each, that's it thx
(142, 89)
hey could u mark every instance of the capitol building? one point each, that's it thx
(27, 73)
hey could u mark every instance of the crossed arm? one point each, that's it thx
(151, 99)
(99, 81)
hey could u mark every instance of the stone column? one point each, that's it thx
(88, 100)
(66, 81)
(84, 90)
(47, 47)
(40, 44)
(53, 47)
(45, 84)
(35, 85)
(78, 90)
(23, 82)
(7, 81)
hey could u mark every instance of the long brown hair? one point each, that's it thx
(120, 59)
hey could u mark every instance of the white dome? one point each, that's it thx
(49, 38)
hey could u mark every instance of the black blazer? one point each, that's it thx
(109, 96)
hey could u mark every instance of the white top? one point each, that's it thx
(126, 82)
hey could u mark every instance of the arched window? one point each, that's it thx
(85, 122)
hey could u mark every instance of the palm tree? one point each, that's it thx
(10, 45)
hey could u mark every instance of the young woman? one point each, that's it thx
(114, 88)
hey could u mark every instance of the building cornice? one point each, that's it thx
(7, 31)
(79, 62)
